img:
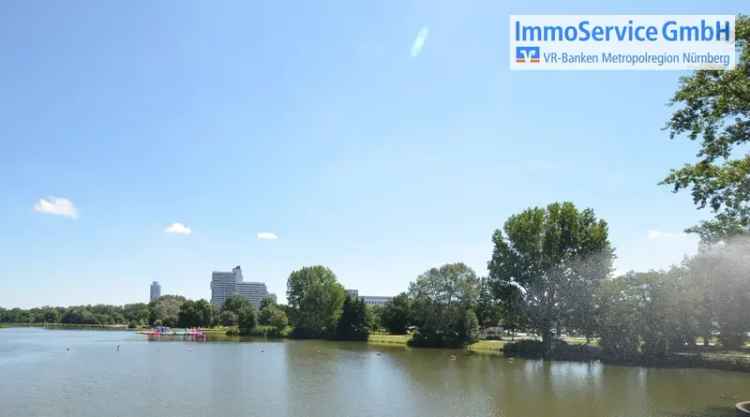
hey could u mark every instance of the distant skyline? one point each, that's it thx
(160, 142)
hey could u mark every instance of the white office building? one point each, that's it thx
(374, 300)
(227, 284)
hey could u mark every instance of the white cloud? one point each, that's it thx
(267, 236)
(178, 229)
(58, 206)
(419, 41)
(658, 234)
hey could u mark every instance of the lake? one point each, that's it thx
(40, 377)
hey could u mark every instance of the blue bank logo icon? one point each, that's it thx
(527, 54)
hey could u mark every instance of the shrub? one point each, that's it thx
(525, 348)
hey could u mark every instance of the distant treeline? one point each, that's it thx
(100, 314)
(550, 274)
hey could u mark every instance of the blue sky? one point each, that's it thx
(321, 123)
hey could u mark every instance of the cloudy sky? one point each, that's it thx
(155, 141)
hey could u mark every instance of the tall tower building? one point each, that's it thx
(155, 291)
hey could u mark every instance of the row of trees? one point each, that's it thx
(168, 310)
(87, 314)
(545, 268)
(657, 313)
(550, 274)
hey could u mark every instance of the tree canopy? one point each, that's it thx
(442, 303)
(165, 310)
(315, 299)
(396, 314)
(196, 314)
(354, 323)
(546, 265)
(714, 108)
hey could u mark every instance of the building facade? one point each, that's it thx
(227, 284)
(374, 300)
(155, 291)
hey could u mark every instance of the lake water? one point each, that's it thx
(40, 377)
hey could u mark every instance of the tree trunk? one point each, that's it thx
(547, 342)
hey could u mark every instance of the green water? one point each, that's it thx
(40, 377)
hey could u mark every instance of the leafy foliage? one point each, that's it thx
(165, 311)
(247, 319)
(235, 304)
(354, 323)
(228, 318)
(547, 264)
(196, 314)
(315, 299)
(715, 109)
(397, 313)
(272, 315)
(442, 302)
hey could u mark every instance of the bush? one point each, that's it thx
(534, 349)
(525, 348)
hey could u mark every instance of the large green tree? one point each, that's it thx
(315, 299)
(714, 108)
(235, 303)
(721, 275)
(196, 314)
(488, 310)
(247, 319)
(165, 310)
(546, 264)
(354, 323)
(397, 315)
(442, 304)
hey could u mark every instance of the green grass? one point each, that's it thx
(482, 346)
(389, 339)
(494, 347)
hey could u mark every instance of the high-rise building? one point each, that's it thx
(224, 285)
(155, 291)
(227, 284)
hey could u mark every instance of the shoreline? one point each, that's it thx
(731, 361)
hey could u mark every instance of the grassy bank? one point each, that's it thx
(388, 339)
(492, 347)
(712, 358)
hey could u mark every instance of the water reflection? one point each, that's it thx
(324, 379)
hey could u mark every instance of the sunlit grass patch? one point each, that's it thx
(389, 339)
(487, 346)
